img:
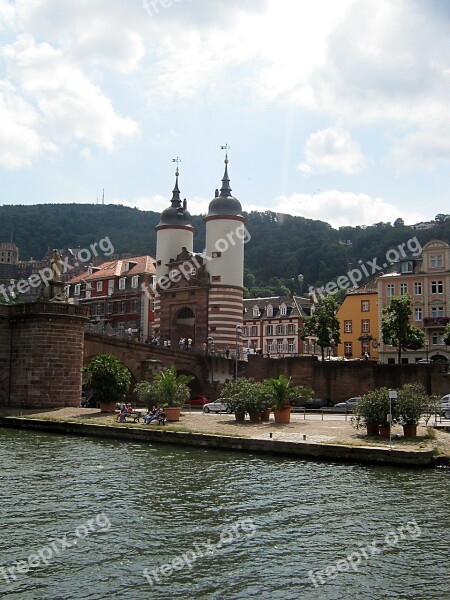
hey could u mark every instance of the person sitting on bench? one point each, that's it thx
(156, 414)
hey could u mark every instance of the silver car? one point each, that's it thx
(445, 406)
(348, 404)
(218, 406)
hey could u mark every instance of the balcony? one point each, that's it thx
(436, 321)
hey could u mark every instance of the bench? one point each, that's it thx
(135, 415)
(161, 420)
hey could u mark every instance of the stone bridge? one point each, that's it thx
(142, 360)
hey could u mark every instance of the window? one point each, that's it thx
(122, 282)
(283, 310)
(280, 329)
(291, 328)
(418, 314)
(88, 291)
(406, 266)
(134, 305)
(347, 326)
(403, 289)
(418, 288)
(121, 306)
(245, 331)
(270, 310)
(99, 286)
(254, 330)
(77, 289)
(256, 311)
(390, 290)
(291, 346)
(437, 339)
(437, 311)
(110, 287)
(365, 305)
(365, 348)
(97, 309)
(269, 330)
(270, 346)
(216, 278)
(109, 308)
(135, 281)
(365, 326)
(437, 287)
(436, 262)
(280, 347)
(348, 348)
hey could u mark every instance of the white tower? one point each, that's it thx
(225, 237)
(173, 232)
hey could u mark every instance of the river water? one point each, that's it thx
(102, 519)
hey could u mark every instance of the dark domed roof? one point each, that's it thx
(176, 214)
(224, 203)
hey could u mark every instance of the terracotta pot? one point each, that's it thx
(107, 406)
(172, 413)
(372, 429)
(384, 431)
(239, 416)
(255, 417)
(265, 414)
(410, 430)
(283, 415)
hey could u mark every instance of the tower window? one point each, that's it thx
(216, 278)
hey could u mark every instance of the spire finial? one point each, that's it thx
(225, 190)
(176, 201)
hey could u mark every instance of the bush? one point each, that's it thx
(373, 407)
(166, 388)
(412, 403)
(109, 378)
(246, 395)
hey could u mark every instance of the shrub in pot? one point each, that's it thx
(412, 402)
(240, 395)
(372, 410)
(110, 380)
(168, 389)
(282, 393)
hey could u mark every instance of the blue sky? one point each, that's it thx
(332, 110)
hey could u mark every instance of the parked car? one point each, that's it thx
(348, 404)
(314, 403)
(445, 406)
(199, 400)
(218, 406)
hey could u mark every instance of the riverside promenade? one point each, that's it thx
(332, 438)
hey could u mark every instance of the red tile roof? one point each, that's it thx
(116, 268)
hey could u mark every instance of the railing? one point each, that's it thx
(436, 321)
(47, 308)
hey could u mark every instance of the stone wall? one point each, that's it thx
(342, 380)
(45, 352)
(5, 354)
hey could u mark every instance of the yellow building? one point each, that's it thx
(358, 318)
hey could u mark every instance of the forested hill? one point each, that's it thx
(281, 246)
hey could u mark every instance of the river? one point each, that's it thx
(103, 519)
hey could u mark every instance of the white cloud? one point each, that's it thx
(424, 147)
(71, 106)
(332, 149)
(20, 143)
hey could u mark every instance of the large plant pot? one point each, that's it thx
(239, 416)
(107, 407)
(255, 417)
(410, 430)
(265, 414)
(372, 429)
(283, 415)
(384, 431)
(172, 413)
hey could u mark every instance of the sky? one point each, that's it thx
(332, 110)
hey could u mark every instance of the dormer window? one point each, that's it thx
(406, 266)
(283, 310)
(122, 283)
(256, 311)
(270, 310)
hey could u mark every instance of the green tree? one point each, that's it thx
(323, 324)
(447, 335)
(109, 378)
(396, 328)
(167, 388)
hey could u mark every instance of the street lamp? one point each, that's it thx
(210, 341)
(238, 334)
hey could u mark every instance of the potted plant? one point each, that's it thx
(238, 395)
(109, 379)
(169, 390)
(371, 411)
(412, 402)
(282, 392)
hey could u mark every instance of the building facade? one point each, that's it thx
(119, 295)
(359, 322)
(272, 326)
(427, 280)
(200, 295)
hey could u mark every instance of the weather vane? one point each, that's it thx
(226, 148)
(176, 160)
